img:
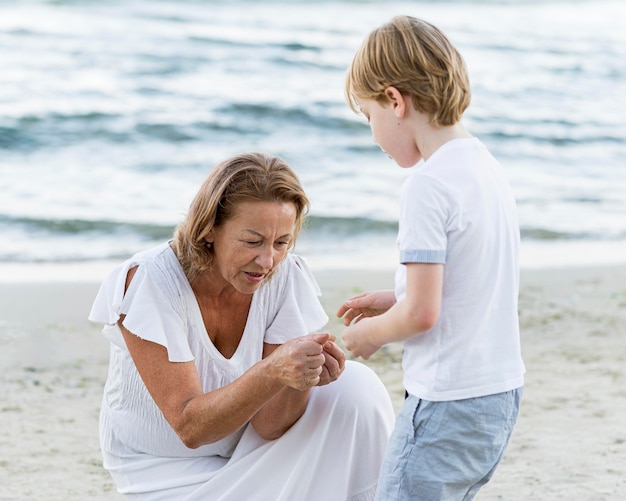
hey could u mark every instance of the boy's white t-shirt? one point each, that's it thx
(458, 209)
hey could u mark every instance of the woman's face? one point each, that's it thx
(252, 243)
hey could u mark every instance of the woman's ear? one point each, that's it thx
(397, 101)
(209, 238)
(208, 242)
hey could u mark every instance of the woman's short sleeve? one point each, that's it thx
(153, 308)
(295, 298)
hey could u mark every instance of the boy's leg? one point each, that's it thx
(447, 450)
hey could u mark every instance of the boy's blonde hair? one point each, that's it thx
(245, 177)
(416, 58)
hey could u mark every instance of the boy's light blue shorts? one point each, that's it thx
(447, 450)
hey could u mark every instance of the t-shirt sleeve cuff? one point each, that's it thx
(423, 256)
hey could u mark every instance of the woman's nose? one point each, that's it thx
(266, 257)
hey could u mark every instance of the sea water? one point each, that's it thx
(112, 113)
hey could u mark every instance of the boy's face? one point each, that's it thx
(391, 131)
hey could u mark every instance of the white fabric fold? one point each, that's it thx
(159, 299)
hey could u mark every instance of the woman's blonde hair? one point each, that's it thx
(245, 177)
(416, 58)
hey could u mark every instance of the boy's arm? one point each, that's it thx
(415, 314)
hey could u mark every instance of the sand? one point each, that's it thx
(570, 441)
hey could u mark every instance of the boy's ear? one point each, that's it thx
(397, 101)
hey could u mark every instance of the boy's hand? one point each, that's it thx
(367, 304)
(359, 339)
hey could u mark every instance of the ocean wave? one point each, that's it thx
(41, 226)
(315, 225)
(348, 225)
(271, 113)
(55, 130)
(543, 234)
(233, 43)
(553, 139)
(114, 110)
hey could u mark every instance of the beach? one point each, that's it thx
(570, 441)
(112, 114)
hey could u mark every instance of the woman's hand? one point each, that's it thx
(367, 304)
(334, 364)
(300, 362)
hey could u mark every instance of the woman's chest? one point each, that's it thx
(225, 326)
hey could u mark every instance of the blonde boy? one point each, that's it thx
(456, 288)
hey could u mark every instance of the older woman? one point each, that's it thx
(219, 386)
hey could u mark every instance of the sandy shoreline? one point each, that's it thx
(570, 442)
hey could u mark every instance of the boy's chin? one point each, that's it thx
(406, 164)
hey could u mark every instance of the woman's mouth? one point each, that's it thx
(255, 277)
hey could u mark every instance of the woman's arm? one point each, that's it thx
(286, 407)
(203, 418)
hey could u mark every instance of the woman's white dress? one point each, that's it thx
(333, 452)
